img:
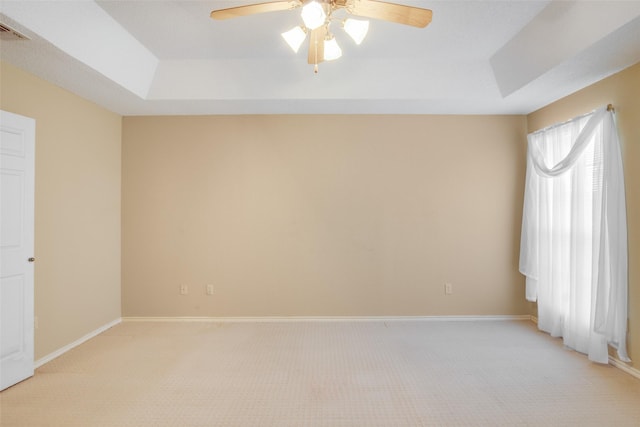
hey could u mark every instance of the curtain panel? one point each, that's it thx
(574, 234)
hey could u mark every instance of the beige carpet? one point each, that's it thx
(397, 373)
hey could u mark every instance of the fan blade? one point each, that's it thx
(316, 45)
(252, 9)
(400, 14)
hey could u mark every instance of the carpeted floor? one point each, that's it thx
(394, 373)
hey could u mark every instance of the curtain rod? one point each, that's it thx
(609, 108)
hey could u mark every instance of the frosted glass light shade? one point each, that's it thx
(357, 29)
(331, 49)
(294, 38)
(313, 15)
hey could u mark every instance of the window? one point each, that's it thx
(574, 237)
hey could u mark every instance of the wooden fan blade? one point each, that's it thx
(400, 14)
(252, 9)
(316, 45)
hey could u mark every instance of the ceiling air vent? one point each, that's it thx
(8, 33)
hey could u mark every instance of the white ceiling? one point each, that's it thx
(168, 57)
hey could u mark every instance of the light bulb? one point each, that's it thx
(313, 15)
(294, 38)
(356, 29)
(331, 49)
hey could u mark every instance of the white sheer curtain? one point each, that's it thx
(574, 234)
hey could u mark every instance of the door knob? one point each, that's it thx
(32, 259)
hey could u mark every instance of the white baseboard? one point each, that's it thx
(327, 319)
(624, 367)
(49, 357)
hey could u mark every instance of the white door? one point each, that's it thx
(17, 153)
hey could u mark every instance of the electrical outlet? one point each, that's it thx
(184, 289)
(209, 289)
(448, 288)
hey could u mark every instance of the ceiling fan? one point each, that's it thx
(317, 16)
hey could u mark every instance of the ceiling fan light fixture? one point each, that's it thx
(331, 49)
(357, 29)
(294, 37)
(313, 15)
(318, 15)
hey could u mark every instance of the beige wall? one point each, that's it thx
(77, 208)
(623, 91)
(322, 215)
(287, 215)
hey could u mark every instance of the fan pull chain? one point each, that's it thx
(315, 67)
